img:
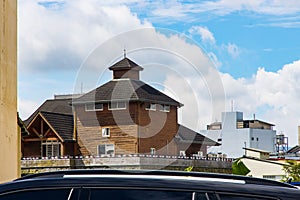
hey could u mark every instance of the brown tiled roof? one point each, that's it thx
(125, 64)
(128, 90)
(60, 106)
(187, 135)
(62, 124)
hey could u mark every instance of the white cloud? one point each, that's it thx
(214, 59)
(205, 34)
(233, 50)
(272, 96)
(55, 38)
(223, 7)
(277, 13)
(51, 39)
(26, 107)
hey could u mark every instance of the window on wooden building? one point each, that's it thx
(50, 149)
(164, 108)
(106, 149)
(182, 153)
(117, 105)
(151, 106)
(105, 132)
(93, 106)
(152, 151)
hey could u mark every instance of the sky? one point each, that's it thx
(212, 56)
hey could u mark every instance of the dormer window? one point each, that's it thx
(164, 108)
(117, 105)
(93, 106)
(151, 106)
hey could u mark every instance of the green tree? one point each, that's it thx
(292, 171)
(189, 169)
(239, 168)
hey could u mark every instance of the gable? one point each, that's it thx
(61, 106)
(46, 125)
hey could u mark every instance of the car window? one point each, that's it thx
(204, 196)
(241, 197)
(38, 194)
(134, 194)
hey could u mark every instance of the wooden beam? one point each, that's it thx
(42, 127)
(36, 132)
(48, 131)
(40, 139)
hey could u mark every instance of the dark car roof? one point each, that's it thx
(161, 180)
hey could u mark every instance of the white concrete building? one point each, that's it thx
(234, 133)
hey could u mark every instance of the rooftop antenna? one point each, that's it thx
(81, 88)
(124, 52)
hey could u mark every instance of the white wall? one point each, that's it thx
(266, 139)
(260, 169)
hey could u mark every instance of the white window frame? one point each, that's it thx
(165, 108)
(107, 147)
(52, 148)
(118, 105)
(105, 132)
(93, 107)
(182, 153)
(151, 106)
(152, 151)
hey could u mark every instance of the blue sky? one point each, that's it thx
(254, 45)
(262, 40)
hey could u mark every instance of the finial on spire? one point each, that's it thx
(124, 53)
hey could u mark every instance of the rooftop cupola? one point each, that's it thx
(126, 68)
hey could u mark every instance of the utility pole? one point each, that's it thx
(9, 137)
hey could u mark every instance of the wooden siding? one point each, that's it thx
(123, 137)
(132, 130)
(31, 149)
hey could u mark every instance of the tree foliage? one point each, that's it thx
(239, 168)
(292, 171)
(189, 169)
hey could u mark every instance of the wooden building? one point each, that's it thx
(51, 130)
(122, 116)
(128, 116)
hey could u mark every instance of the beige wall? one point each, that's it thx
(264, 169)
(9, 138)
